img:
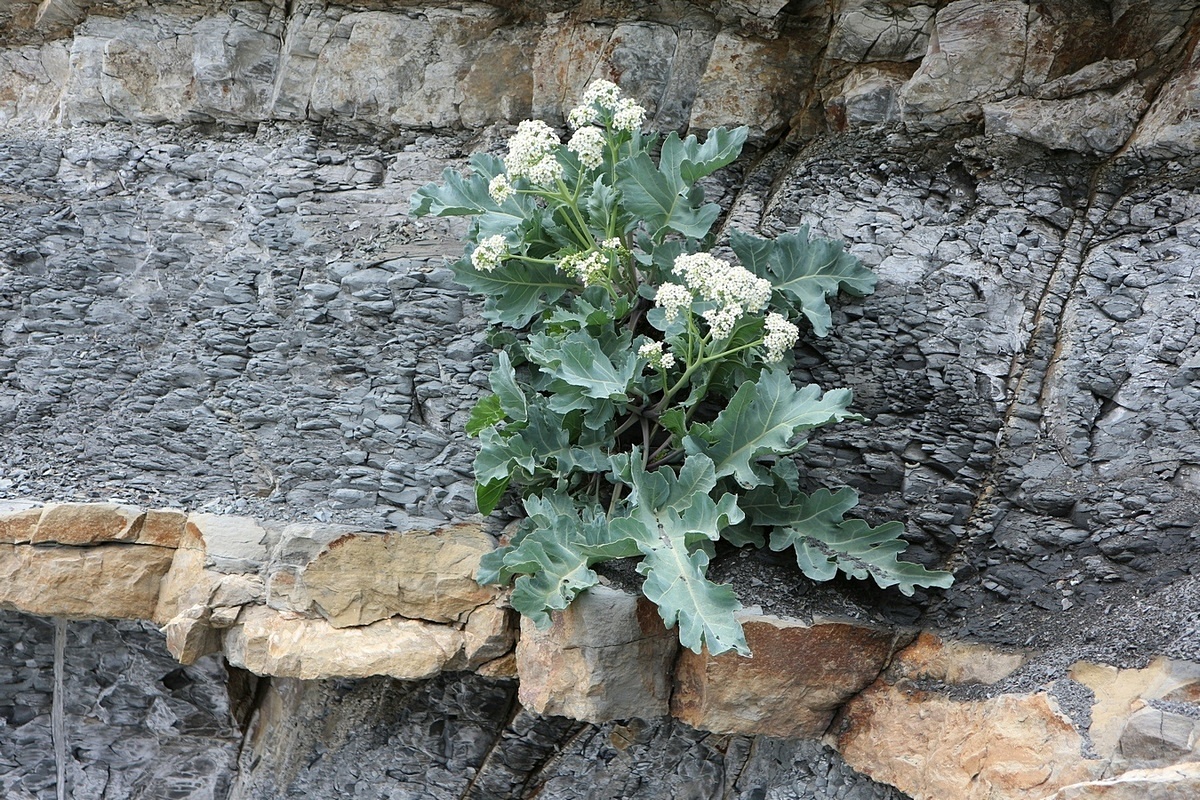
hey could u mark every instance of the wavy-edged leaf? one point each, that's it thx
(503, 380)
(659, 201)
(669, 516)
(763, 418)
(819, 514)
(484, 414)
(687, 161)
(676, 583)
(804, 271)
(553, 555)
(555, 574)
(578, 360)
(516, 291)
(858, 550)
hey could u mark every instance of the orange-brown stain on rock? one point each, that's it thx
(796, 679)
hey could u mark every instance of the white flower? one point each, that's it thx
(673, 298)
(500, 189)
(628, 116)
(588, 143)
(590, 268)
(490, 253)
(602, 94)
(653, 353)
(721, 321)
(721, 282)
(781, 337)
(546, 172)
(613, 244)
(529, 150)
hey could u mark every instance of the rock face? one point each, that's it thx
(798, 677)
(210, 299)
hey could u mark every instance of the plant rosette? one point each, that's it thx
(641, 399)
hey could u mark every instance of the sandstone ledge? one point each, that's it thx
(308, 601)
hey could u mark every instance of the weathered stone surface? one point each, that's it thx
(489, 634)
(191, 635)
(1168, 129)
(18, 526)
(115, 581)
(606, 657)
(135, 722)
(954, 663)
(754, 81)
(976, 54)
(88, 523)
(266, 643)
(1180, 782)
(867, 96)
(873, 30)
(932, 747)
(1121, 694)
(230, 543)
(428, 575)
(1099, 122)
(798, 677)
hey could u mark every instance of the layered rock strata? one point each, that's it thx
(934, 719)
(235, 318)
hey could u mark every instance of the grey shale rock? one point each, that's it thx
(211, 298)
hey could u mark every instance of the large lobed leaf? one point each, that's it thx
(669, 517)
(804, 271)
(516, 291)
(763, 418)
(858, 550)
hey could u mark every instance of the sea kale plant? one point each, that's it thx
(641, 399)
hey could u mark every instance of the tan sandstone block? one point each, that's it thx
(608, 656)
(365, 577)
(798, 677)
(1179, 782)
(267, 643)
(17, 527)
(932, 747)
(955, 663)
(88, 523)
(103, 581)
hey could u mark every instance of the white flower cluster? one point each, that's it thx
(628, 116)
(654, 354)
(590, 269)
(588, 143)
(721, 320)
(605, 96)
(500, 189)
(781, 336)
(721, 282)
(490, 253)
(531, 153)
(672, 299)
(601, 93)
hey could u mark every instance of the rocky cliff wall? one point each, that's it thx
(211, 297)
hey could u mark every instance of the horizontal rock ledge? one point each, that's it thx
(318, 601)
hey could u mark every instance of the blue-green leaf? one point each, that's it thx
(516, 291)
(503, 380)
(858, 550)
(486, 413)
(578, 360)
(763, 418)
(804, 271)
(660, 202)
